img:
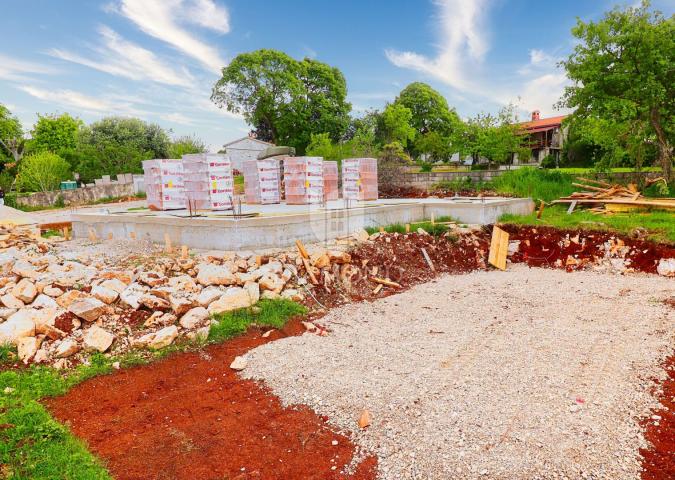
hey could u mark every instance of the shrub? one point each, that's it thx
(42, 172)
(426, 167)
(548, 162)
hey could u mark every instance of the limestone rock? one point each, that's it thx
(24, 268)
(25, 290)
(253, 290)
(337, 256)
(180, 304)
(194, 317)
(208, 296)
(124, 277)
(114, 284)
(10, 301)
(97, 338)
(38, 317)
(184, 283)
(210, 274)
(27, 347)
(269, 295)
(160, 318)
(131, 296)
(66, 348)
(16, 327)
(104, 294)
(71, 296)
(272, 282)
(151, 279)
(293, 294)
(160, 339)
(239, 363)
(252, 276)
(53, 292)
(666, 267)
(233, 299)
(44, 301)
(5, 313)
(88, 309)
(154, 303)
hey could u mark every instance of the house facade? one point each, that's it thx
(242, 149)
(545, 136)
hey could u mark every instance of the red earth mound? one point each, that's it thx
(190, 416)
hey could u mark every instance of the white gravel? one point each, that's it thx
(528, 373)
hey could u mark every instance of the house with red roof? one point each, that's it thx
(545, 136)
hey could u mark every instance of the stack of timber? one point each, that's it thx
(606, 197)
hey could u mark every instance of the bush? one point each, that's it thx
(42, 172)
(426, 167)
(548, 162)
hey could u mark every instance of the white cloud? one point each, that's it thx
(177, 118)
(80, 101)
(126, 59)
(13, 69)
(463, 42)
(162, 19)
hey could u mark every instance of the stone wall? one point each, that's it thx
(79, 196)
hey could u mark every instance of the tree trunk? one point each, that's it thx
(665, 148)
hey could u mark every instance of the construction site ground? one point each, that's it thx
(467, 372)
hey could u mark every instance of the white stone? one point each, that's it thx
(181, 304)
(71, 296)
(5, 313)
(53, 292)
(104, 294)
(10, 301)
(666, 267)
(96, 338)
(239, 363)
(210, 274)
(44, 301)
(88, 309)
(16, 327)
(25, 290)
(272, 282)
(194, 317)
(131, 296)
(269, 295)
(114, 284)
(233, 299)
(208, 296)
(24, 268)
(27, 347)
(163, 338)
(184, 283)
(66, 348)
(253, 290)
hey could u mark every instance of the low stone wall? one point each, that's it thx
(78, 196)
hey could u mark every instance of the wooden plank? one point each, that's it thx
(301, 249)
(312, 277)
(499, 247)
(386, 282)
(597, 182)
(541, 210)
(377, 289)
(428, 259)
(572, 207)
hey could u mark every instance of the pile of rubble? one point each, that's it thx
(58, 307)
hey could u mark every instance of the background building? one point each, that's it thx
(242, 149)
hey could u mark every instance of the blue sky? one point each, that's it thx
(158, 59)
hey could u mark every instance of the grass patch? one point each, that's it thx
(660, 225)
(535, 183)
(35, 446)
(436, 229)
(272, 313)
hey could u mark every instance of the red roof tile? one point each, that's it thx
(542, 123)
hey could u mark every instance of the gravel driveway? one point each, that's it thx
(528, 373)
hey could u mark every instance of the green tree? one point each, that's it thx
(623, 69)
(430, 111)
(396, 124)
(434, 145)
(127, 133)
(284, 100)
(42, 171)
(54, 133)
(185, 145)
(92, 162)
(11, 132)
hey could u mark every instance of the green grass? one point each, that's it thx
(436, 229)
(34, 446)
(582, 170)
(272, 313)
(535, 183)
(660, 225)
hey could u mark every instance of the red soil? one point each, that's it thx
(191, 417)
(658, 461)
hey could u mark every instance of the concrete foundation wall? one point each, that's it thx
(78, 196)
(283, 230)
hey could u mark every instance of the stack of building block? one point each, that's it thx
(303, 180)
(209, 184)
(262, 181)
(359, 179)
(330, 180)
(164, 184)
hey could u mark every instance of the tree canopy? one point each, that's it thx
(127, 133)
(11, 132)
(54, 133)
(430, 111)
(284, 100)
(396, 124)
(623, 69)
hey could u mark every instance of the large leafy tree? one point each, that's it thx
(396, 127)
(54, 133)
(284, 100)
(623, 69)
(185, 145)
(42, 171)
(11, 132)
(127, 133)
(430, 111)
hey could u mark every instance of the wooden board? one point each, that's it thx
(499, 247)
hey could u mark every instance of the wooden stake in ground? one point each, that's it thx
(428, 259)
(572, 207)
(381, 229)
(541, 210)
(433, 218)
(168, 247)
(184, 252)
(407, 228)
(132, 235)
(92, 235)
(301, 249)
(385, 281)
(499, 247)
(377, 289)
(110, 236)
(308, 267)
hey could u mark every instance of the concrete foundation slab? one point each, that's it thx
(280, 225)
